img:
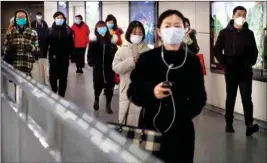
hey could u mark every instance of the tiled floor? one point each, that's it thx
(212, 144)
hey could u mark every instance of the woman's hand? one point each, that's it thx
(160, 92)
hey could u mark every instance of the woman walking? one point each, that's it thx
(123, 64)
(100, 56)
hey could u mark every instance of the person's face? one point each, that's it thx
(21, 15)
(60, 17)
(78, 18)
(172, 21)
(110, 22)
(240, 13)
(137, 31)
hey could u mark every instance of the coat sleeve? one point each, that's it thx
(255, 52)
(219, 47)
(91, 54)
(122, 66)
(197, 96)
(34, 42)
(47, 41)
(141, 88)
(7, 42)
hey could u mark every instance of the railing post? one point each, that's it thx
(19, 102)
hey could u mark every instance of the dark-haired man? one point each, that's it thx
(60, 44)
(41, 28)
(236, 51)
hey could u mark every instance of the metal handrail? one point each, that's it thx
(116, 146)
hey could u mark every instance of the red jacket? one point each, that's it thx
(81, 35)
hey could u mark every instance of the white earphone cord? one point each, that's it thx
(170, 67)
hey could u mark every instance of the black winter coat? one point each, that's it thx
(100, 56)
(41, 29)
(236, 49)
(60, 45)
(189, 95)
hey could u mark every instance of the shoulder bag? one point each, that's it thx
(148, 140)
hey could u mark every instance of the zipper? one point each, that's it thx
(103, 63)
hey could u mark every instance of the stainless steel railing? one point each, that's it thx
(39, 126)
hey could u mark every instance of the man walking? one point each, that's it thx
(237, 52)
(81, 40)
(41, 28)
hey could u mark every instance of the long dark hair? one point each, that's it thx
(110, 17)
(107, 37)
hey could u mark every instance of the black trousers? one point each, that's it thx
(243, 80)
(108, 90)
(58, 76)
(79, 57)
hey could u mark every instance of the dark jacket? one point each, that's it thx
(236, 49)
(189, 95)
(41, 29)
(60, 45)
(100, 56)
(194, 48)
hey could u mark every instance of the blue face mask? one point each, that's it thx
(78, 21)
(21, 21)
(102, 30)
(59, 21)
(110, 26)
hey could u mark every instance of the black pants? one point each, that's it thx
(58, 78)
(244, 82)
(108, 91)
(79, 57)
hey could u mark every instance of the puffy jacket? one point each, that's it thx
(81, 35)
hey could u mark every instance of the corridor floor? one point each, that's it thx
(212, 143)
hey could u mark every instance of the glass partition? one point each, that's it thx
(39, 126)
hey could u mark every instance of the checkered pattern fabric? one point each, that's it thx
(146, 139)
(22, 59)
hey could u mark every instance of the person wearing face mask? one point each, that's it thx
(190, 38)
(168, 83)
(60, 45)
(41, 28)
(114, 30)
(21, 43)
(81, 40)
(100, 56)
(124, 63)
(237, 52)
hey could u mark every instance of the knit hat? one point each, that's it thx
(56, 14)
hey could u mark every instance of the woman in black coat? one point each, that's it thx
(168, 84)
(102, 49)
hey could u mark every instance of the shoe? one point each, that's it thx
(77, 71)
(252, 129)
(96, 105)
(81, 70)
(229, 128)
(108, 108)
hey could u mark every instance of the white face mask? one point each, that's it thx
(172, 36)
(39, 17)
(240, 21)
(136, 39)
